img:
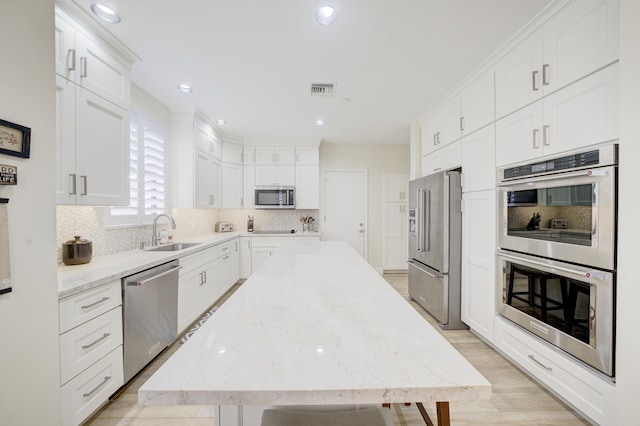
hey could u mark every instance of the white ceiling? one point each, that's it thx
(251, 62)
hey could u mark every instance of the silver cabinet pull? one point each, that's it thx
(545, 135)
(83, 66)
(545, 74)
(535, 138)
(226, 257)
(534, 80)
(72, 184)
(201, 278)
(91, 305)
(438, 134)
(104, 336)
(462, 124)
(71, 60)
(539, 363)
(83, 181)
(92, 391)
(435, 141)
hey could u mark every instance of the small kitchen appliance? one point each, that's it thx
(274, 197)
(224, 227)
(77, 251)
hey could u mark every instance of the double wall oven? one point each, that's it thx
(557, 239)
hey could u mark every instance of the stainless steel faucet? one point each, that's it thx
(154, 237)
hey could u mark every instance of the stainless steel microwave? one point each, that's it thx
(275, 197)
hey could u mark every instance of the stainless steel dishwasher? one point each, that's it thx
(150, 311)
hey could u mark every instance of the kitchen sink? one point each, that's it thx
(173, 247)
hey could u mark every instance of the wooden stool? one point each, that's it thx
(571, 321)
(371, 416)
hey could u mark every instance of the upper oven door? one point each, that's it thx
(577, 216)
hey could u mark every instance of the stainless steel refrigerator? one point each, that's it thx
(435, 246)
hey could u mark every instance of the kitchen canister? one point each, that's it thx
(77, 251)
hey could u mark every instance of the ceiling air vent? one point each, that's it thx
(323, 89)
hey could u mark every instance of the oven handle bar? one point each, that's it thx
(585, 173)
(545, 265)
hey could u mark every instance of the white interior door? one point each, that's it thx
(345, 208)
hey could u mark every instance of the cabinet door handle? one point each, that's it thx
(545, 74)
(83, 181)
(435, 141)
(91, 305)
(71, 60)
(532, 358)
(535, 138)
(545, 135)
(92, 391)
(534, 80)
(438, 137)
(95, 342)
(72, 184)
(204, 274)
(462, 124)
(83, 66)
(226, 257)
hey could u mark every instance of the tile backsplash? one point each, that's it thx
(88, 222)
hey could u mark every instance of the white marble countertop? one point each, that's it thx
(315, 325)
(73, 279)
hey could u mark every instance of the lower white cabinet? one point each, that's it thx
(245, 257)
(478, 286)
(263, 247)
(586, 390)
(235, 261)
(90, 350)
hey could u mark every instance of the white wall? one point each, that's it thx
(29, 362)
(627, 335)
(377, 159)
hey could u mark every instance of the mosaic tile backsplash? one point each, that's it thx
(88, 222)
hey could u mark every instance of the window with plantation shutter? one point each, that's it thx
(146, 174)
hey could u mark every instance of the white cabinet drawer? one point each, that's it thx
(272, 242)
(85, 393)
(589, 392)
(86, 344)
(224, 249)
(82, 307)
(196, 260)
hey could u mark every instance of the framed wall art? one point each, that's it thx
(14, 139)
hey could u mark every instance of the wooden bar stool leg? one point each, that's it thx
(443, 413)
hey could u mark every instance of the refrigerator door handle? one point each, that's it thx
(420, 220)
(426, 205)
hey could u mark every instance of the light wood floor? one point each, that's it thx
(516, 399)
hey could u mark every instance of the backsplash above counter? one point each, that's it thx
(89, 223)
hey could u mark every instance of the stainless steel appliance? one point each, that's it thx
(150, 315)
(435, 228)
(557, 255)
(274, 197)
(224, 227)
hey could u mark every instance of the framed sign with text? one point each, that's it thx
(14, 139)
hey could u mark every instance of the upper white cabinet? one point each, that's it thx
(446, 158)
(232, 153)
(442, 127)
(307, 155)
(395, 187)
(307, 187)
(92, 118)
(478, 160)
(275, 175)
(196, 168)
(581, 114)
(578, 41)
(269, 155)
(249, 176)
(232, 176)
(477, 104)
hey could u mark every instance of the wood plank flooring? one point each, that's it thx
(516, 399)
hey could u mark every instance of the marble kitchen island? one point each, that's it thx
(314, 325)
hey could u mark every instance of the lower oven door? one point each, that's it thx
(570, 306)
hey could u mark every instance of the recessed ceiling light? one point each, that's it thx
(326, 15)
(105, 13)
(185, 88)
(319, 123)
(221, 121)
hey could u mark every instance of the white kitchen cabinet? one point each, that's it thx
(306, 240)
(232, 153)
(197, 283)
(578, 41)
(395, 187)
(442, 127)
(270, 155)
(89, 63)
(478, 282)
(395, 233)
(582, 114)
(478, 160)
(245, 257)
(196, 178)
(235, 261)
(307, 155)
(477, 104)
(232, 186)
(249, 176)
(307, 182)
(447, 158)
(91, 370)
(263, 247)
(589, 392)
(275, 175)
